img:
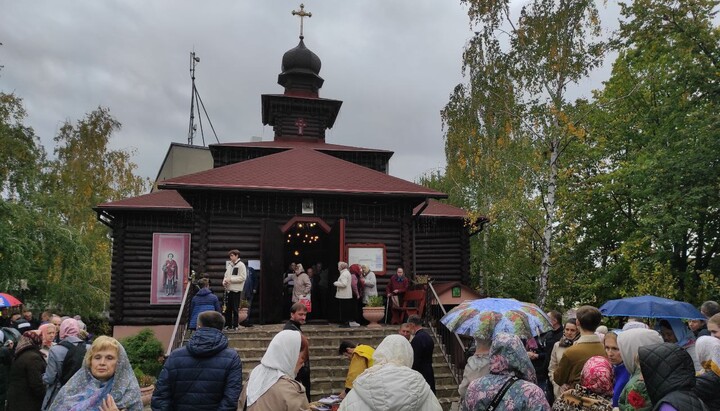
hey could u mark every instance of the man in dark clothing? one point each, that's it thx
(551, 337)
(298, 314)
(423, 346)
(203, 375)
(204, 300)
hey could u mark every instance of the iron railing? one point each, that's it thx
(178, 335)
(451, 345)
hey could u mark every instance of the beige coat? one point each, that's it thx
(285, 395)
(302, 287)
(236, 282)
(555, 357)
(344, 285)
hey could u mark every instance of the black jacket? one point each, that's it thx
(669, 376)
(25, 387)
(707, 387)
(423, 346)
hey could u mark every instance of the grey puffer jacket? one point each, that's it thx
(669, 376)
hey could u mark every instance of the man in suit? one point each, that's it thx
(423, 346)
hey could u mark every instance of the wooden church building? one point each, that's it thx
(263, 198)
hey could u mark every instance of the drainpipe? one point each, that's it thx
(412, 220)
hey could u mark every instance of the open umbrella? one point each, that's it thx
(650, 306)
(488, 316)
(7, 300)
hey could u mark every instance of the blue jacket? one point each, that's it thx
(204, 300)
(203, 375)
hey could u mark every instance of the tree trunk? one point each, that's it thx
(549, 222)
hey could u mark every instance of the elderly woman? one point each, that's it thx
(47, 332)
(302, 285)
(477, 365)
(25, 387)
(271, 385)
(621, 376)
(634, 396)
(511, 382)
(53, 378)
(675, 331)
(669, 376)
(707, 383)
(595, 390)
(390, 384)
(106, 381)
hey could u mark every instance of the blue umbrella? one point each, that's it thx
(649, 306)
(488, 316)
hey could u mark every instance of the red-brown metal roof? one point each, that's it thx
(438, 209)
(300, 170)
(159, 200)
(290, 144)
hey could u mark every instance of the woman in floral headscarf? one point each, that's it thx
(594, 391)
(105, 380)
(707, 383)
(508, 361)
(25, 388)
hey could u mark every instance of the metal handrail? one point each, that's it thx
(179, 327)
(450, 353)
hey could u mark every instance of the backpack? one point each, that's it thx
(73, 360)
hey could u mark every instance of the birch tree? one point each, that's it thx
(510, 121)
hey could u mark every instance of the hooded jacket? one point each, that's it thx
(391, 384)
(203, 301)
(669, 377)
(203, 375)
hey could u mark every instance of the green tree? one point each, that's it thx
(642, 208)
(508, 127)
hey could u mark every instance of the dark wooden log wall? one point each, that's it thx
(223, 221)
(442, 249)
(132, 265)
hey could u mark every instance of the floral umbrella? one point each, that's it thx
(7, 300)
(486, 317)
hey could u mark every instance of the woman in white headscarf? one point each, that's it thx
(271, 385)
(391, 384)
(635, 396)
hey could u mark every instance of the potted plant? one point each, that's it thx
(243, 311)
(147, 385)
(374, 311)
(145, 353)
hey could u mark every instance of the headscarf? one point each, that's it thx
(708, 353)
(29, 340)
(597, 376)
(69, 328)
(43, 330)
(631, 340)
(394, 349)
(632, 325)
(279, 360)
(508, 356)
(85, 392)
(683, 334)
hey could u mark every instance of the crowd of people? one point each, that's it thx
(581, 365)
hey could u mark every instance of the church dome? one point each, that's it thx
(301, 60)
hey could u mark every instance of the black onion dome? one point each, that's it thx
(301, 60)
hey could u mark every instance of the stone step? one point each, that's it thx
(315, 351)
(332, 360)
(339, 373)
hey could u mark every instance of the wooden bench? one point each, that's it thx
(413, 302)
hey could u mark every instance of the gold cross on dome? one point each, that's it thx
(302, 13)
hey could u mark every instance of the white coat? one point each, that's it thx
(344, 285)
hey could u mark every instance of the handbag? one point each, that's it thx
(499, 396)
(307, 303)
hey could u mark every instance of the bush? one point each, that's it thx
(145, 352)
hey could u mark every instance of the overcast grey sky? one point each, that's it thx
(393, 63)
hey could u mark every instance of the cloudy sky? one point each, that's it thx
(393, 63)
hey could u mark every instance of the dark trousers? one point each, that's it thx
(231, 311)
(347, 310)
(303, 377)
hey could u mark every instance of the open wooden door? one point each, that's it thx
(271, 273)
(334, 254)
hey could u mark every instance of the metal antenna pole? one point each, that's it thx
(191, 129)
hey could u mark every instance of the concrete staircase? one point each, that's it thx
(328, 369)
